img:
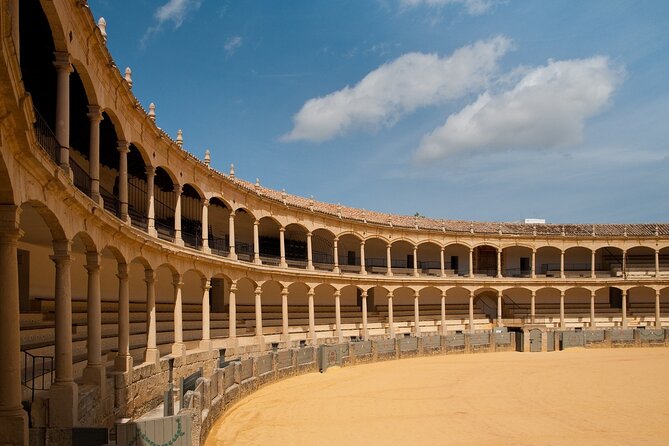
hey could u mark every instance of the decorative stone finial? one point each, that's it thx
(152, 111)
(443, 226)
(563, 233)
(593, 230)
(102, 25)
(339, 210)
(499, 230)
(283, 195)
(311, 203)
(534, 230)
(657, 231)
(180, 138)
(364, 216)
(415, 222)
(257, 185)
(207, 157)
(625, 231)
(390, 222)
(232, 171)
(471, 228)
(128, 76)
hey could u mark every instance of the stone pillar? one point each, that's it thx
(150, 201)
(471, 312)
(312, 318)
(123, 149)
(94, 373)
(337, 298)
(593, 323)
(205, 343)
(471, 262)
(335, 269)
(500, 320)
(310, 258)
(443, 312)
(415, 261)
(499, 263)
(256, 243)
(533, 314)
(178, 347)
(284, 314)
(562, 264)
(363, 270)
(593, 273)
(205, 226)
(63, 70)
(624, 309)
(231, 237)
(562, 322)
(534, 264)
(657, 263)
(389, 260)
(658, 315)
(13, 419)
(152, 354)
(177, 216)
(94, 117)
(365, 330)
(232, 311)
(258, 308)
(442, 263)
(63, 395)
(624, 263)
(391, 324)
(416, 312)
(123, 362)
(282, 247)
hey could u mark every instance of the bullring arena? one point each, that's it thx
(135, 275)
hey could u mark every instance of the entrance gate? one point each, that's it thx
(535, 340)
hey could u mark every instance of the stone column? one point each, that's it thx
(310, 258)
(63, 395)
(63, 70)
(256, 243)
(593, 273)
(312, 318)
(624, 263)
(415, 261)
(365, 330)
(471, 312)
(282, 247)
(258, 308)
(443, 312)
(363, 270)
(534, 264)
(500, 321)
(389, 260)
(657, 263)
(624, 309)
(593, 322)
(123, 362)
(231, 237)
(533, 313)
(232, 311)
(123, 149)
(335, 269)
(391, 324)
(94, 117)
(152, 354)
(442, 265)
(13, 419)
(205, 225)
(658, 315)
(471, 262)
(562, 322)
(562, 264)
(499, 263)
(150, 201)
(284, 314)
(94, 373)
(178, 347)
(177, 216)
(416, 312)
(337, 298)
(205, 343)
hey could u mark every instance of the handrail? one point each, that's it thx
(46, 138)
(30, 375)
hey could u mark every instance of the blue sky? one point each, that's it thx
(468, 109)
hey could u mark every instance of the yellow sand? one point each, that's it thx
(574, 397)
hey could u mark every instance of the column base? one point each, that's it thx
(206, 249)
(363, 272)
(310, 267)
(63, 404)
(152, 355)
(336, 270)
(123, 363)
(257, 261)
(232, 256)
(152, 231)
(283, 264)
(178, 349)
(14, 427)
(179, 241)
(96, 375)
(206, 345)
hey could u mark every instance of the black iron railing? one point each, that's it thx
(80, 177)
(38, 372)
(46, 138)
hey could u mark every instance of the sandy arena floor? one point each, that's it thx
(575, 397)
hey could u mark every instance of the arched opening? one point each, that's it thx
(456, 260)
(430, 309)
(663, 261)
(137, 189)
(641, 304)
(485, 301)
(516, 304)
(165, 302)
(191, 216)
(376, 259)
(640, 261)
(295, 239)
(298, 301)
(322, 245)
(244, 244)
(164, 203)
(429, 259)
(402, 257)
(516, 261)
(577, 262)
(577, 307)
(548, 307)
(109, 165)
(348, 251)
(268, 236)
(548, 261)
(219, 296)
(271, 309)
(219, 227)
(192, 294)
(79, 134)
(457, 309)
(609, 262)
(246, 311)
(485, 260)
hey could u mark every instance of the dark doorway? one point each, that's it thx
(455, 264)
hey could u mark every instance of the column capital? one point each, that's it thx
(255, 223)
(122, 271)
(443, 293)
(206, 284)
(176, 280)
(441, 248)
(62, 61)
(205, 202)
(336, 239)
(389, 245)
(311, 292)
(94, 113)
(233, 286)
(337, 293)
(178, 188)
(150, 171)
(258, 290)
(362, 243)
(416, 293)
(363, 294)
(62, 248)
(123, 146)
(309, 234)
(149, 276)
(389, 295)
(284, 291)
(9, 223)
(282, 229)
(92, 261)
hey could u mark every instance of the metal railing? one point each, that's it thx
(46, 138)
(80, 177)
(38, 371)
(165, 231)
(111, 203)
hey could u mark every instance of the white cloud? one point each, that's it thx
(233, 44)
(473, 7)
(399, 87)
(547, 108)
(174, 11)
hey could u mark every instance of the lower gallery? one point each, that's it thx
(144, 292)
